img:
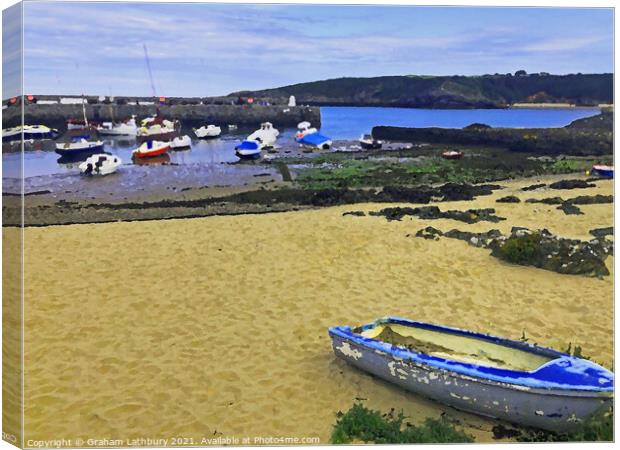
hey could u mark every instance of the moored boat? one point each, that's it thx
(29, 132)
(150, 149)
(266, 135)
(100, 164)
(602, 170)
(483, 374)
(367, 142)
(249, 149)
(180, 143)
(79, 146)
(207, 132)
(452, 154)
(127, 128)
(309, 136)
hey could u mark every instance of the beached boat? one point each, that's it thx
(367, 142)
(452, 154)
(207, 132)
(30, 132)
(150, 149)
(100, 164)
(180, 143)
(266, 134)
(80, 145)
(483, 374)
(128, 128)
(249, 149)
(602, 170)
(309, 136)
(153, 160)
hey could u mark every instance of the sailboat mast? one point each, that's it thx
(84, 112)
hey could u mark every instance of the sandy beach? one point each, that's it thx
(217, 326)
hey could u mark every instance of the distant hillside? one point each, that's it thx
(487, 91)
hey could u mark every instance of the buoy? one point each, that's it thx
(250, 100)
(30, 98)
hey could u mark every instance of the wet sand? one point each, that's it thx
(217, 326)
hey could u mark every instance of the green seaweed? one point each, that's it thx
(363, 424)
(520, 250)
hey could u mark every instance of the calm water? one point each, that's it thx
(339, 123)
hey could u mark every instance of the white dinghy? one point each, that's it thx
(100, 164)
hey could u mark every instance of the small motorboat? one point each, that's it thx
(208, 132)
(249, 149)
(452, 154)
(128, 128)
(367, 142)
(602, 171)
(266, 134)
(310, 137)
(153, 160)
(100, 164)
(180, 143)
(80, 145)
(29, 132)
(150, 149)
(483, 374)
(157, 128)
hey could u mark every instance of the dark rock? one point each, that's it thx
(429, 233)
(546, 201)
(533, 187)
(591, 199)
(502, 432)
(477, 126)
(509, 199)
(570, 209)
(433, 212)
(465, 191)
(602, 232)
(544, 250)
(354, 213)
(421, 194)
(571, 184)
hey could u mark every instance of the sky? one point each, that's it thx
(210, 49)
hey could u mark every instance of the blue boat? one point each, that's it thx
(316, 140)
(249, 149)
(603, 171)
(479, 373)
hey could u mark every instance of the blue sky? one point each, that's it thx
(209, 49)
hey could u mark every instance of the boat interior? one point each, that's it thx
(455, 347)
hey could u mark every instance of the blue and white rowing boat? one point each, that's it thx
(310, 137)
(249, 149)
(483, 374)
(603, 171)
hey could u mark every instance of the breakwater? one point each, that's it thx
(56, 115)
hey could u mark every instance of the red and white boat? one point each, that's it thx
(452, 155)
(151, 149)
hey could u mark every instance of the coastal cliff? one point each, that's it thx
(487, 91)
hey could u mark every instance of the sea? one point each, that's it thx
(339, 123)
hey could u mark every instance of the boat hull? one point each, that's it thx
(554, 410)
(168, 136)
(80, 151)
(151, 154)
(603, 171)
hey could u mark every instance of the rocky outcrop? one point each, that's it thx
(539, 249)
(533, 187)
(602, 232)
(571, 184)
(508, 199)
(433, 212)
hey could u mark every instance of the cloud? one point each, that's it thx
(563, 44)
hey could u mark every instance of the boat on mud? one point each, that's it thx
(181, 143)
(452, 154)
(79, 146)
(157, 128)
(249, 149)
(309, 136)
(151, 149)
(100, 164)
(602, 171)
(29, 132)
(266, 135)
(367, 142)
(127, 128)
(207, 132)
(487, 375)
